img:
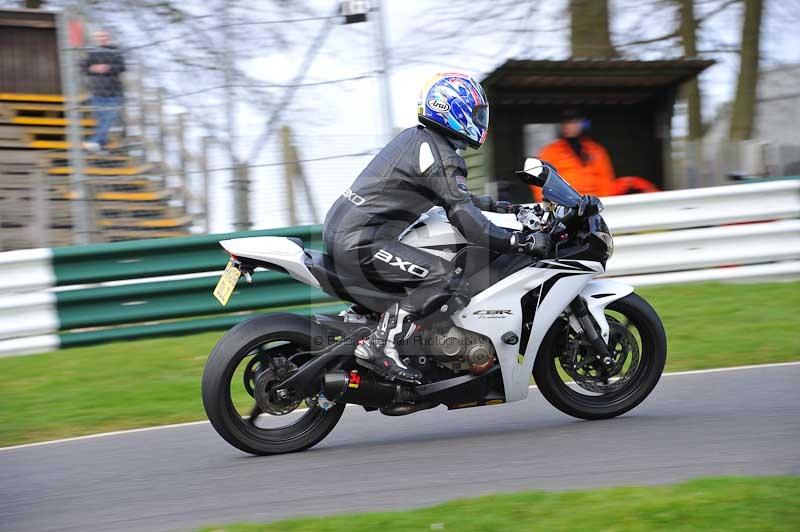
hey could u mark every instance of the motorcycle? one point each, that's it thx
(279, 383)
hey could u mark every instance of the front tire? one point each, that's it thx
(291, 333)
(574, 401)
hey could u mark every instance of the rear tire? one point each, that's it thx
(653, 357)
(226, 357)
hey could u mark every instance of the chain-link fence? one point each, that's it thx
(128, 144)
(123, 119)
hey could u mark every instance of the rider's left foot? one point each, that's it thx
(379, 351)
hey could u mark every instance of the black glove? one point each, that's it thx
(487, 203)
(503, 207)
(484, 203)
(534, 244)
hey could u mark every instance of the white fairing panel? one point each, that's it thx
(598, 295)
(275, 250)
(433, 234)
(504, 301)
(507, 221)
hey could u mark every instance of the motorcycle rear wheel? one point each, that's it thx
(631, 312)
(304, 429)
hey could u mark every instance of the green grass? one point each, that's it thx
(748, 504)
(719, 325)
(153, 382)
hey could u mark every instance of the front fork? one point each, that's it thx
(580, 311)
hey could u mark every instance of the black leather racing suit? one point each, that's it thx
(418, 169)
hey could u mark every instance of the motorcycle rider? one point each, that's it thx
(421, 167)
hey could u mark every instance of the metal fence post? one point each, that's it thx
(289, 170)
(383, 74)
(41, 209)
(183, 163)
(162, 140)
(69, 56)
(206, 147)
(241, 197)
(141, 118)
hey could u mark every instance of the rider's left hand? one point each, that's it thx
(503, 207)
(534, 244)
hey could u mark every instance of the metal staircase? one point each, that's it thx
(128, 197)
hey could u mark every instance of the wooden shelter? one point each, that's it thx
(29, 58)
(629, 103)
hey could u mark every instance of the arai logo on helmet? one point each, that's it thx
(438, 105)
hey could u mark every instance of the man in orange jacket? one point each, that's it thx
(584, 163)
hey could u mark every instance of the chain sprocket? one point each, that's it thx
(276, 402)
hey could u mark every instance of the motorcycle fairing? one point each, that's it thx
(598, 294)
(498, 311)
(282, 252)
(433, 233)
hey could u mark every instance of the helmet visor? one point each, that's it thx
(481, 116)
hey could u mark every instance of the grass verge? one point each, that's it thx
(153, 382)
(764, 504)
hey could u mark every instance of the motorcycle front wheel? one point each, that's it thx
(236, 379)
(580, 384)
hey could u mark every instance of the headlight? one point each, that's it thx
(608, 240)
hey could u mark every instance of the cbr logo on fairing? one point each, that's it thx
(352, 197)
(404, 265)
(492, 313)
(438, 105)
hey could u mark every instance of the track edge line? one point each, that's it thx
(206, 422)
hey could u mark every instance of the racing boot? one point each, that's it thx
(378, 351)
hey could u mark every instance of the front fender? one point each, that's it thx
(598, 294)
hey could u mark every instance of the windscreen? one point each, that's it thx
(558, 191)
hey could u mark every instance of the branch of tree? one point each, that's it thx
(671, 35)
(719, 9)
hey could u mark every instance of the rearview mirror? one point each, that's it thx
(535, 172)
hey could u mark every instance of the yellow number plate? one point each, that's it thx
(227, 283)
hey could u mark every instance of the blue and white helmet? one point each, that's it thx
(456, 103)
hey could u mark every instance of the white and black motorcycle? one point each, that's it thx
(279, 383)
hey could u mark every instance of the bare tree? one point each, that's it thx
(744, 105)
(589, 36)
(691, 90)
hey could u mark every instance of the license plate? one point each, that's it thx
(227, 283)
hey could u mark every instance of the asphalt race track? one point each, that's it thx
(740, 422)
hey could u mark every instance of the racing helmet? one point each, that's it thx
(457, 105)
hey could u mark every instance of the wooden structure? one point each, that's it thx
(28, 52)
(128, 197)
(630, 105)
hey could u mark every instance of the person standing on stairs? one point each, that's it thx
(103, 66)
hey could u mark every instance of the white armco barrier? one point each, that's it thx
(694, 249)
(747, 233)
(773, 272)
(27, 314)
(703, 207)
(25, 270)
